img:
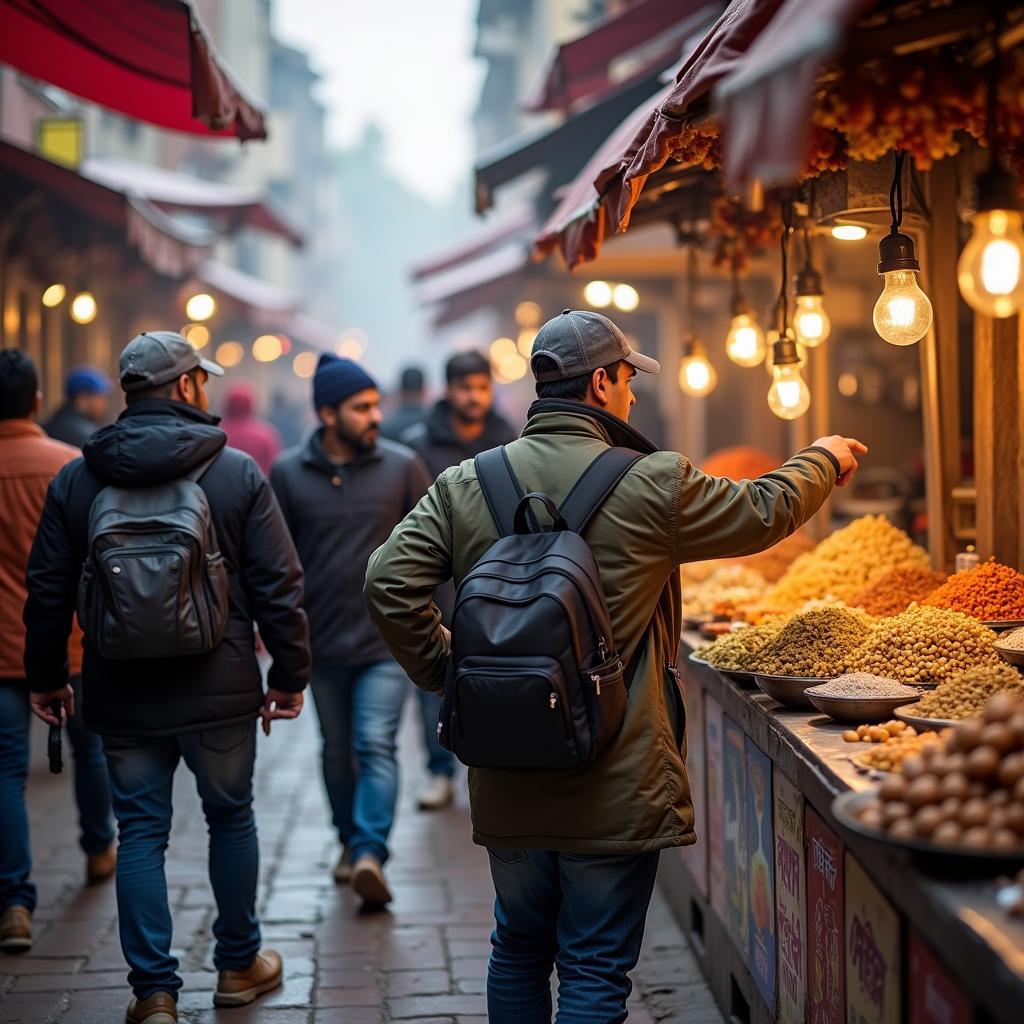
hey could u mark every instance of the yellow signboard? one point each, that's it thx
(60, 139)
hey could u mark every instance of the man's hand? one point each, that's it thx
(278, 704)
(846, 450)
(446, 637)
(40, 704)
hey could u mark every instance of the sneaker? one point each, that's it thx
(343, 869)
(16, 930)
(437, 792)
(101, 866)
(369, 882)
(239, 988)
(159, 1008)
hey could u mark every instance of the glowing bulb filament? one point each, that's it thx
(1000, 267)
(901, 311)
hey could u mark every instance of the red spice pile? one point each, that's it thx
(894, 591)
(991, 592)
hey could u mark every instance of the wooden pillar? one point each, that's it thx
(998, 422)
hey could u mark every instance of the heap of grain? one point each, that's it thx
(814, 644)
(990, 592)
(924, 645)
(735, 651)
(729, 587)
(842, 565)
(965, 694)
(894, 591)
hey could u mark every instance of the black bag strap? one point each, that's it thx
(500, 486)
(598, 481)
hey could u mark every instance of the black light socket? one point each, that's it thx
(808, 282)
(785, 352)
(896, 252)
(998, 188)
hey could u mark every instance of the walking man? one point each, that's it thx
(460, 426)
(573, 854)
(342, 493)
(410, 408)
(29, 460)
(170, 672)
(86, 403)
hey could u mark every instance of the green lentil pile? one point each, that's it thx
(965, 694)
(736, 651)
(925, 645)
(813, 644)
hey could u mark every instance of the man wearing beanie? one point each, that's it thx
(86, 403)
(342, 493)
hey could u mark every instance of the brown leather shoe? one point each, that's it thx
(16, 930)
(238, 988)
(369, 882)
(159, 1008)
(101, 866)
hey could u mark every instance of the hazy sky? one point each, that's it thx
(406, 64)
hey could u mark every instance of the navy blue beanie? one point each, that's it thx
(337, 379)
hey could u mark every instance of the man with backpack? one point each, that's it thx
(559, 674)
(174, 545)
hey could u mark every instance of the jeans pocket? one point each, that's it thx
(506, 856)
(224, 739)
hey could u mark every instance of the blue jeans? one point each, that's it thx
(439, 760)
(92, 791)
(141, 773)
(582, 914)
(359, 708)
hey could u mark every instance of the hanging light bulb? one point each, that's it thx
(788, 397)
(697, 377)
(811, 323)
(744, 344)
(902, 313)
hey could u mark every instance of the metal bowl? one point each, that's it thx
(1002, 625)
(740, 677)
(1013, 657)
(693, 657)
(857, 709)
(696, 621)
(906, 714)
(788, 690)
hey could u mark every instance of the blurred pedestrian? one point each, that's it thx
(342, 494)
(28, 462)
(573, 854)
(170, 672)
(411, 404)
(85, 408)
(245, 430)
(460, 426)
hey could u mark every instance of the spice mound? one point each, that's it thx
(894, 591)
(728, 588)
(965, 791)
(858, 685)
(735, 651)
(964, 695)
(923, 645)
(813, 644)
(990, 592)
(1012, 641)
(842, 565)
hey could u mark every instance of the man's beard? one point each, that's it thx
(361, 443)
(470, 414)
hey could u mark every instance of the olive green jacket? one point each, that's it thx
(636, 796)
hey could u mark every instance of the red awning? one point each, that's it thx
(765, 104)
(651, 31)
(148, 59)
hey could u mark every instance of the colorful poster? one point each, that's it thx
(696, 857)
(872, 951)
(714, 748)
(735, 792)
(790, 902)
(826, 954)
(934, 999)
(760, 873)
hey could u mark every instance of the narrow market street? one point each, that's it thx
(426, 959)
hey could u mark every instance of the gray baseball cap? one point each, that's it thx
(579, 342)
(158, 357)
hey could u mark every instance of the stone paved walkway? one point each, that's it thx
(426, 959)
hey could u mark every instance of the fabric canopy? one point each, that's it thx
(583, 66)
(765, 103)
(148, 59)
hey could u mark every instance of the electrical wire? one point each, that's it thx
(896, 192)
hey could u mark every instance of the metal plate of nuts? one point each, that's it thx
(906, 714)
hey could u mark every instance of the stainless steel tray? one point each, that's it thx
(857, 709)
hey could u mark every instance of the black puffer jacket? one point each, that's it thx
(156, 440)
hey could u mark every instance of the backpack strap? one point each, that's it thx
(598, 481)
(500, 486)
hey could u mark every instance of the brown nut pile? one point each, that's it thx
(842, 565)
(814, 643)
(895, 590)
(964, 695)
(923, 645)
(879, 733)
(735, 651)
(888, 755)
(967, 791)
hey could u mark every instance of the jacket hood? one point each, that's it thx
(154, 440)
(240, 402)
(560, 416)
(438, 424)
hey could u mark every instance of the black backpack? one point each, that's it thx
(154, 583)
(535, 682)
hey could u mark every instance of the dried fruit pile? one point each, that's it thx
(990, 591)
(813, 644)
(736, 651)
(924, 645)
(728, 587)
(895, 590)
(965, 694)
(967, 791)
(842, 565)
(878, 733)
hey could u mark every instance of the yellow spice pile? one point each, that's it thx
(844, 563)
(813, 644)
(735, 651)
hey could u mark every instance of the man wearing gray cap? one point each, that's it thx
(574, 853)
(189, 537)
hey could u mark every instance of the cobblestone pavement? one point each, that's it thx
(425, 959)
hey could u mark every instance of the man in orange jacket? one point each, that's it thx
(28, 462)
